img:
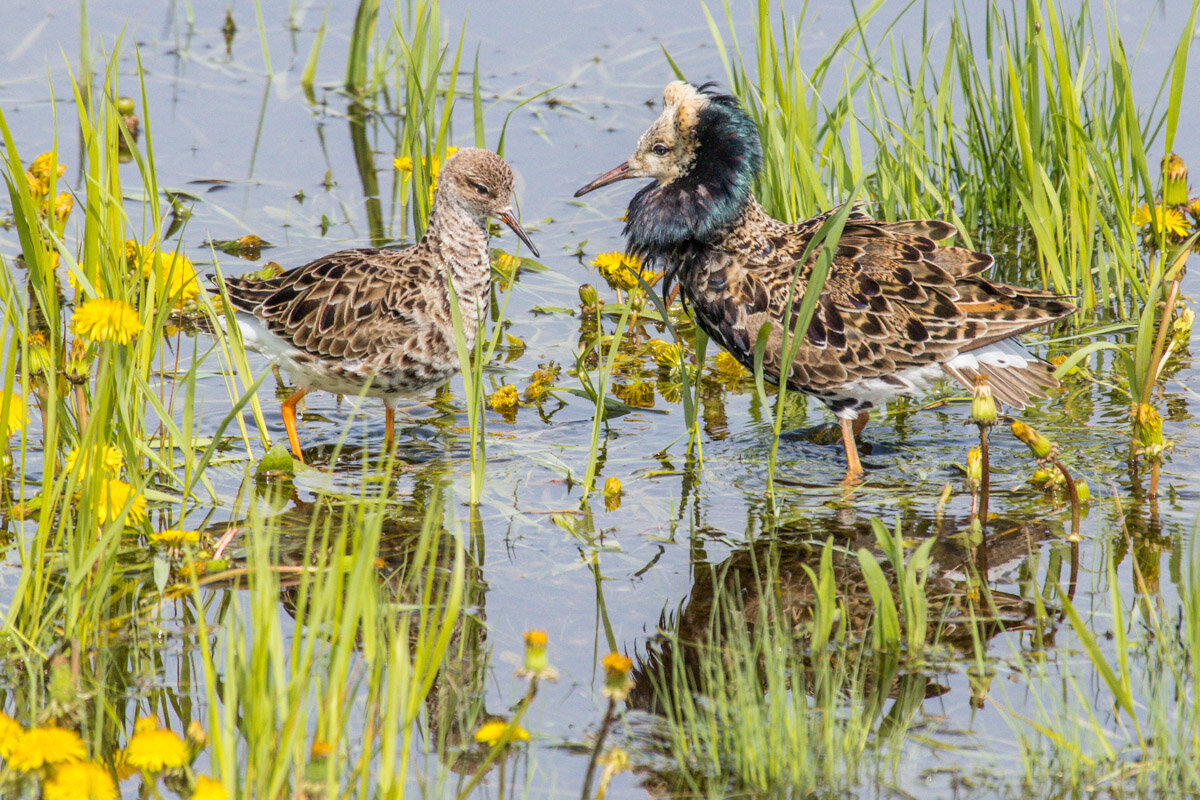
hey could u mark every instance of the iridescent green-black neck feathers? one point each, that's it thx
(718, 158)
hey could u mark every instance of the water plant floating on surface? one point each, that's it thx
(378, 321)
(881, 314)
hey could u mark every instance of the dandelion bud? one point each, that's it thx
(1149, 425)
(1175, 176)
(974, 467)
(588, 295)
(1046, 479)
(617, 682)
(125, 105)
(63, 691)
(983, 405)
(1181, 328)
(79, 362)
(197, 737)
(536, 665)
(1038, 444)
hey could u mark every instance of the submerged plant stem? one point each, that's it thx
(609, 715)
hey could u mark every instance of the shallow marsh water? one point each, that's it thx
(246, 144)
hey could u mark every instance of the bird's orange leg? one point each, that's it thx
(854, 468)
(289, 421)
(860, 422)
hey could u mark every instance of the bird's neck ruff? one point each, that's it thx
(669, 219)
(457, 240)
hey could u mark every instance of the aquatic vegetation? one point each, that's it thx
(183, 602)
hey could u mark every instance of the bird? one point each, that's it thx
(378, 321)
(897, 310)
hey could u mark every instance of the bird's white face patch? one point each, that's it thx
(668, 147)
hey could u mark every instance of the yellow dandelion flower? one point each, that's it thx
(1194, 208)
(111, 460)
(1173, 222)
(505, 264)
(10, 732)
(728, 369)
(192, 569)
(208, 789)
(665, 354)
(37, 747)
(80, 780)
(174, 275)
(114, 495)
(495, 731)
(405, 164)
(638, 394)
(63, 205)
(104, 320)
(619, 269)
(154, 750)
(174, 538)
(540, 383)
(36, 187)
(18, 414)
(40, 168)
(1160, 218)
(612, 493)
(504, 401)
(435, 166)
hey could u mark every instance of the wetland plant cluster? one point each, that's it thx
(332, 648)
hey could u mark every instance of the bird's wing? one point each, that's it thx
(893, 299)
(351, 304)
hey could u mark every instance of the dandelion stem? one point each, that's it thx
(984, 477)
(591, 768)
(1073, 495)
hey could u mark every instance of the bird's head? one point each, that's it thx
(481, 183)
(703, 153)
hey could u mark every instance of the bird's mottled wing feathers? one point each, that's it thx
(352, 304)
(893, 299)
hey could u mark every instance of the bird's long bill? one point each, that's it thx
(617, 173)
(511, 221)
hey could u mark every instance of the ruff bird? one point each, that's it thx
(897, 309)
(379, 321)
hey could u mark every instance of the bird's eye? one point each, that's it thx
(660, 149)
(479, 187)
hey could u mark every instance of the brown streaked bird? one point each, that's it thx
(897, 310)
(378, 321)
